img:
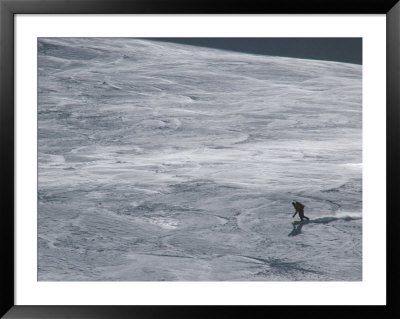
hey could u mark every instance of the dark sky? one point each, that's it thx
(347, 50)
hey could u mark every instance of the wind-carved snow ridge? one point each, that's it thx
(161, 161)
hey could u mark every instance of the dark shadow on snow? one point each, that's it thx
(323, 220)
(297, 228)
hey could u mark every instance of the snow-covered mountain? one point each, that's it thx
(161, 161)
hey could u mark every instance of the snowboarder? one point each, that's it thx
(299, 209)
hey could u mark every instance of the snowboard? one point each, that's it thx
(296, 222)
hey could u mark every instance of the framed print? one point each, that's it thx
(165, 158)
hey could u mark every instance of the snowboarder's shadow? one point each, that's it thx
(297, 228)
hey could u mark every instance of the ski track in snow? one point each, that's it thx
(161, 161)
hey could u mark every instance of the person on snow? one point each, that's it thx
(299, 207)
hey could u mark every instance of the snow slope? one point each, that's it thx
(160, 161)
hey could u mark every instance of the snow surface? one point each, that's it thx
(161, 161)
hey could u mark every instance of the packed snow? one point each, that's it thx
(167, 162)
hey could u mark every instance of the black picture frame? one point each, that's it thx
(9, 8)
